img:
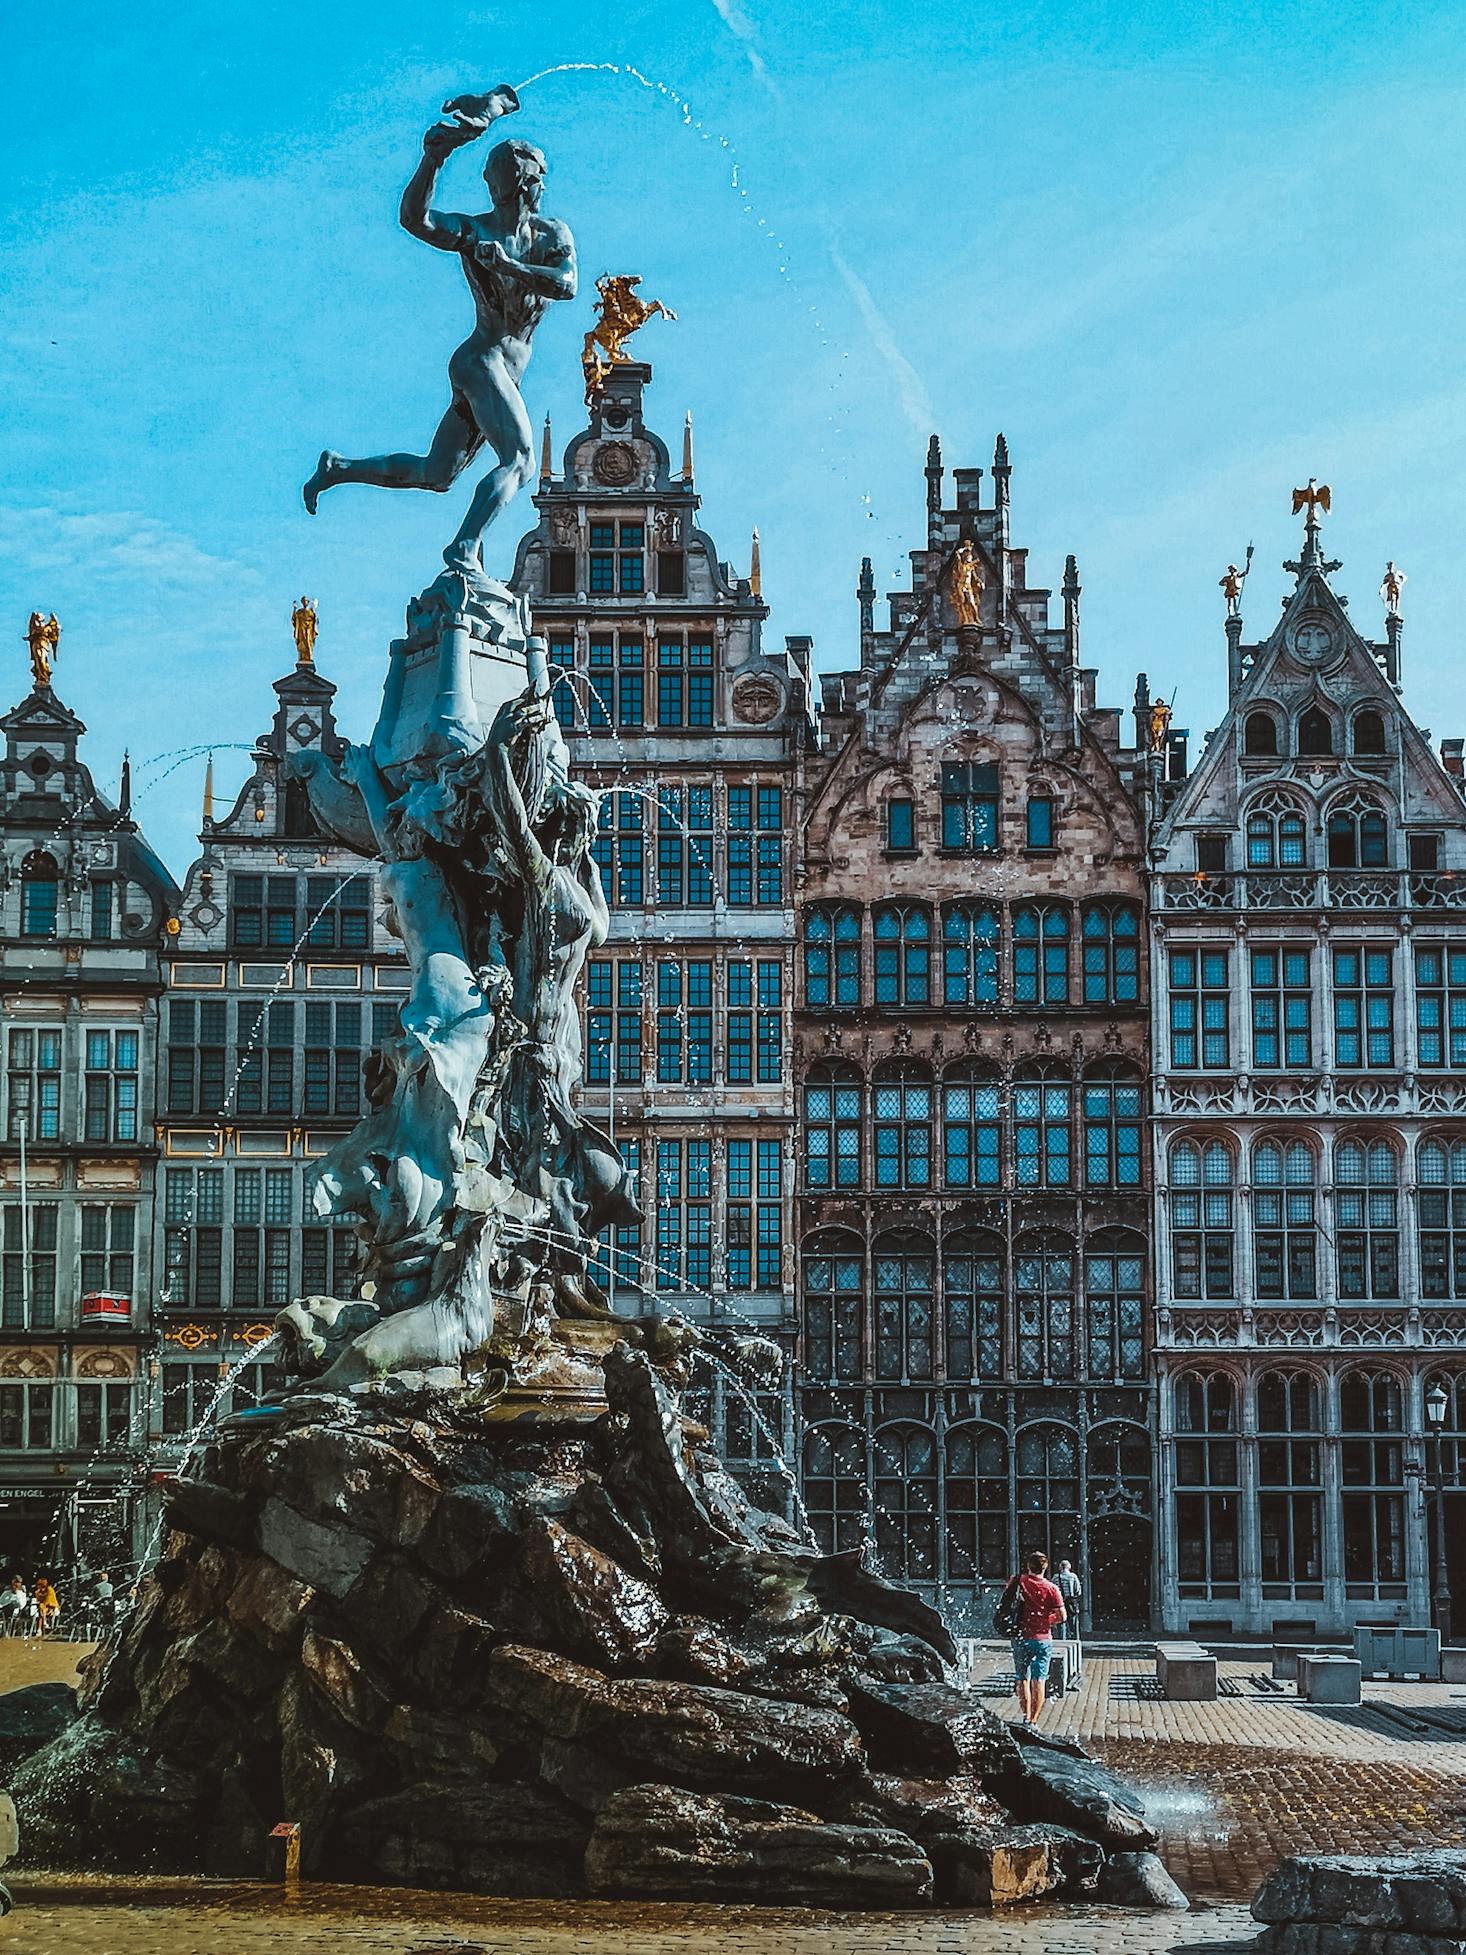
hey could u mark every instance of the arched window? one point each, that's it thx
(1040, 954)
(1276, 833)
(832, 958)
(832, 1117)
(1260, 734)
(906, 1503)
(1114, 1288)
(972, 1302)
(1044, 1287)
(1042, 1134)
(1441, 1196)
(902, 1095)
(1110, 1098)
(972, 1126)
(970, 936)
(40, 888)
(1207, 1484)
(1284, 1220)
(903, 955)
(977, 1503)
(1290, 1477)
(1315, 732)
(834, 1486)
(832, 1271)
(1369, 733)
(1372, 1459)
(970, 807)
(1048, 1491)
(1203, 1260)
(1358, 835)
(1366, 1219)
(905, 1288)
(1111, 946)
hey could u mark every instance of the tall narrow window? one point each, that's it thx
(832, 1275)
(1044, 1289)
(902, 1104)
(976, 1485)
(1366, 1219)
(1114, 1287)
(770, 1021)
(900, 825)
(40, 891)
(970, 939)
(30, 1266)
(1199, 1003)
(1372, 1456)
(110, 1087)
(33, 1082)
(1111, 942)
(1040, 954)
(1289, 1476)
(902, 955)
(1282, 1007)
(101, 931)
(1042, 1127)
(1364, 1006)
(835, 1490)
(1040, 822)
(1203, 1265)
(969, 807)
(972, 1306)
(1208, 1485)
(832, 1122)
(831, 959)
(1110, 1099)
(904, 1269)
(1440, 1004)
(1284, 1221)
(562, 670)
(598, 1018)
(972, 1127)
(905, 1488)
(1441, 1174)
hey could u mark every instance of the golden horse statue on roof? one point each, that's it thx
(621, 314)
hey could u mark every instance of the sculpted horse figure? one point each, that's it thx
(621, 314)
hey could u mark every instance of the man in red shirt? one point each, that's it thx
(1041, 1607)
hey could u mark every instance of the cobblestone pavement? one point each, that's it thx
(91, 1916)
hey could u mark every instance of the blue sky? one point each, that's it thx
(1184, 256)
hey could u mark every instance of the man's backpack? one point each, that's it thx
(1008, 1615)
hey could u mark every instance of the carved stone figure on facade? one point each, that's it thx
(668, 529)
(304, 623)
(1393, 588)
(43, 635)
(965, 584)
(620, 313)
(516, 263)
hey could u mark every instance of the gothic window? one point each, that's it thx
(832, 958)
(902, 1096)
(1282, 1007)
(1277, 835)
(40, 891)
(1366, 1219)
(1114, 1286)
(1440, 1004)
(969, 807)
(1315, 733)
(1358, 835)
(976, 1486)
(33, 1082)
(832, 1273)
(906, 1503)
(1441, 1195)
(1207, 1484)
(902, 954)
(1372, 1455)
(1042, 1130)
(972, 1126)
(901, 825)
(1369, 733)
(1289, 1478)
(1260, 735)
(1048, 1490)
(904, 1294)
(972, 1304)
(1364, 1006)
(1200, 1000)
(1111, 1102)
(1111, 948)
(28, 1299)
(833, 1113)
(1284, 1220)
(1044, 1286)
(1203, 1263)
(1040, 954)
(834, 1486)
(970, 935)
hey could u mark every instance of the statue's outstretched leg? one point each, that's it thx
(499, 411)
(453, 447)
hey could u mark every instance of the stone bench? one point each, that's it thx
(1286, 1655)
(1398, 1651)
(1453, 1666)
(1186, 1673)
(1329, 1679)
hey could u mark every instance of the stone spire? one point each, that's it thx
(755, 568)
(865, 591)
(209, 793)
(124, 792)
(546, 466)
(687, 447)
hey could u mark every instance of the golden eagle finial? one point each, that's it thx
(1315, 497)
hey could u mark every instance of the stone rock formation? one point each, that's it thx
(1348, 1904)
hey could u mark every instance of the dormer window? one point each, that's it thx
(969, 807)
(40, 889)
(1315, 734)
(1369, 733)
(1260, 736)
(617, 565)
(901, 825)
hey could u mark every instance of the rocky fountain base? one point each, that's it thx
(529, 1649)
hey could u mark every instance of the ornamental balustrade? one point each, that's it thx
(1180, 1327)
(1312, 889)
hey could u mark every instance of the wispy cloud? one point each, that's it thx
(117, 542)
(909, 384)
(743, 30)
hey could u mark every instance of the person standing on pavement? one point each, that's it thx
(1040, 1607)
(1068, 1585)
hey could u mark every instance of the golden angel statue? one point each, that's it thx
(1160, 725)
(1392, 588)
(621, 314)
(304, 624)
(43, 635)
(965, 583)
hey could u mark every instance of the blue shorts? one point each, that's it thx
(1031, 1658)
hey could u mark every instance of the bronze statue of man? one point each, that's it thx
(515, 262)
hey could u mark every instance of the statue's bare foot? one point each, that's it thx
(326, 471)
(464, 555)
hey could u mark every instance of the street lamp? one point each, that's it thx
(1436, 1402)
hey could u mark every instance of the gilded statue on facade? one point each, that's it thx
(1160, 725)
(304, 623)
(1315, 497)
(965, 583)
(43, 635)
(1232, 581)
(620, 314)
(1392, 588)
